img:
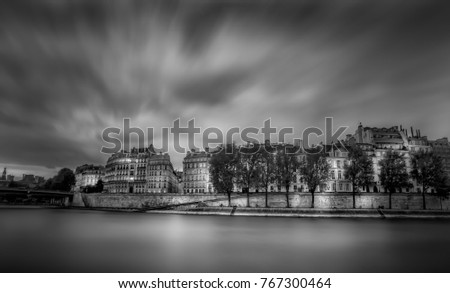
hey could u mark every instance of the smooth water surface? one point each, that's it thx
(45, 240)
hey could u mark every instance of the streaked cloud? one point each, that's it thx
(69, 69)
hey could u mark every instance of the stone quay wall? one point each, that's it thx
(400, 201)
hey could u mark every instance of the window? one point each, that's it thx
(333, 175)
(339, 175)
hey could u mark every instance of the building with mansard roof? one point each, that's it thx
(377, 142)
(88, 175)
(140, 171)
(125, 172)
(161, 177)
(196, 177)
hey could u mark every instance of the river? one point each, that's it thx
(58, 240)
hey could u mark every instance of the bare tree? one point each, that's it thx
(223, 170)
(266, 170)
(315, 171)
(427, 170)
(287, 165)
(247, 169)
(359, 170)
(393, 173)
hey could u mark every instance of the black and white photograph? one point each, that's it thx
(295, 142)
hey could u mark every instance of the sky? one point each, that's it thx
(70, 69)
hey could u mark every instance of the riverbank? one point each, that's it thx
(268, 212)
(339, 201)
(309, 213)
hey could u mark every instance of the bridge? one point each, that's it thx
(22, 196)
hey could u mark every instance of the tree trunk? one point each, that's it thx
(390, 199)
(353, 195)
(287, 196)
(267, 198)
(229, 198)
(312, 199)
(248, 197)
(423, 199)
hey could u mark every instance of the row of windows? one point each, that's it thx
(194, 185)
(157, 167)
(155, 173)
(124, 167)
(157, 185)
(195, 178)
(197, 190)
(195, 165)
(157, 179)
(196, 171)
(333, 175)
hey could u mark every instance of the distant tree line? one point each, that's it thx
(63, 181)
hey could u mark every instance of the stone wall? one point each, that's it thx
(402, 201)
(137, 201)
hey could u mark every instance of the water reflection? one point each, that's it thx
(91, 241)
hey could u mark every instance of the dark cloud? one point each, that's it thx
(212, 89)
(69, 69)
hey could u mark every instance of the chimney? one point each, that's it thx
(412, 131)
(406, 132)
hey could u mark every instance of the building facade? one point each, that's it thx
(140, 171)
(161, 177)
(441, 147)
(4, 181)
(125, 172)
(196, 172)
(337, 157)
(377, 142)
(88, 175)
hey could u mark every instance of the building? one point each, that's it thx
(179, 175)
(28, 179)
(4, 182)
(382, 138)
(196, 172)
(39, 180)
(125, 172)
(337, 157)
(376, 142)
(161, 177)
(10, 178)
(441, 147)
(140, 171)
(417, 142)
(88, 175)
